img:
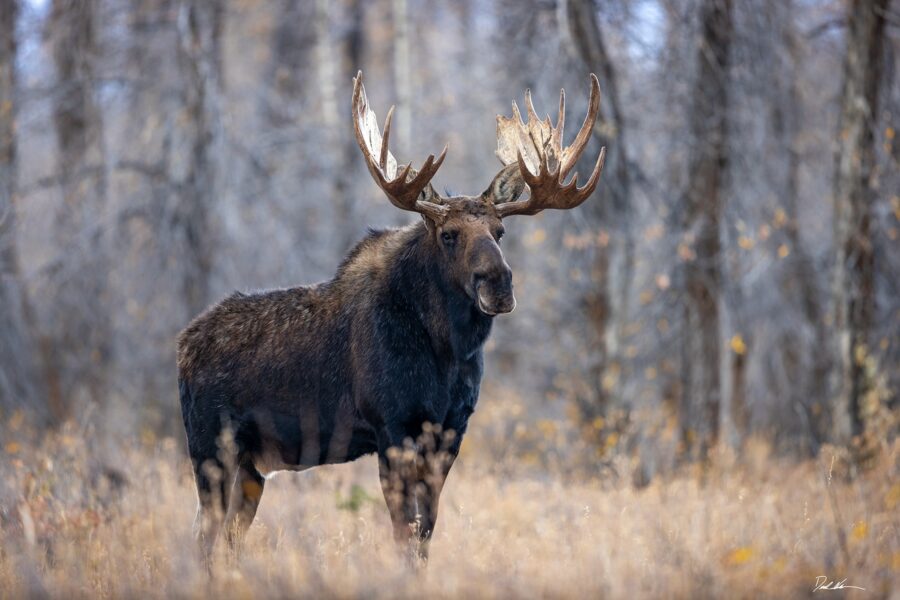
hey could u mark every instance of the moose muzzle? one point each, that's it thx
(494, 290)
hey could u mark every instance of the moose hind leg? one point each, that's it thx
(245, 498)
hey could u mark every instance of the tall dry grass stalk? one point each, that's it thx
(73, 525)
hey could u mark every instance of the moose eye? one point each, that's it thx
(499, 234)
(449, 237)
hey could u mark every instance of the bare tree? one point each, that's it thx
(609, 296)
(200, 25)
(702, 211)
(803, 360)
(18, 368)
(351, 55)
(335, 70)
(78, 347)
(854, 192)
(402, 73)
(697, 281)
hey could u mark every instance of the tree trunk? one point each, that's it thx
(18, 372)
(334, 68)
(702, 209)
(854, 269)
(402, 75)
(607, 301)
(199, 29)
(76, 347)
(352, 46)
(808, 363)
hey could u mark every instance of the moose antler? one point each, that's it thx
(544, 164)
(402, 190)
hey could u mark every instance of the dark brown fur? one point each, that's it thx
(387, 356)
(386, 353)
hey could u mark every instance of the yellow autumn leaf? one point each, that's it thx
(892, 498)
(745, 242)
(783, 251)
(547, 428)
(686, 253)
(608, 381)
(859, 353)
(12, 448)
(740, 556)
(737, 344)
(860, 531)
(889, 133)
(654, 232)
(16, 419)
(780, 217)
(536, 237)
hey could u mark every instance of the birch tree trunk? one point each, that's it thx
(402, 75)
(606, 302)
(18, 367)
(809, 364)
(199, 28)
(854, 270)
(351, 62)
(78, 350)
(701, 275)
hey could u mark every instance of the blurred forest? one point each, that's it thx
(736, 275)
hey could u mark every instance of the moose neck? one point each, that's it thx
(456, 327)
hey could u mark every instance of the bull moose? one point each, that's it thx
(384, 358)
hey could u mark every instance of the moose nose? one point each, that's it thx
(493, 290)
(495, 275)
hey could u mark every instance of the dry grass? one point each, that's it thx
(764, 529)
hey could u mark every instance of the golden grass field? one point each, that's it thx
(756, 526)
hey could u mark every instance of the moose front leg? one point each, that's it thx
(412, 477)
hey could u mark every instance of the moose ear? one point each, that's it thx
(507, 186)
(429, 194)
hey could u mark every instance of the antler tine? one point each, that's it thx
(429, 168)
(595, 175)
(561, 120)
(529, 106)
(548, 189)
(385, 138)
(573, 152)
(402, 191)
(544, 163)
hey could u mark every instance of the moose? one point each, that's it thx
(384, 358)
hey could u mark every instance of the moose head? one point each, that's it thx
(467, 229)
